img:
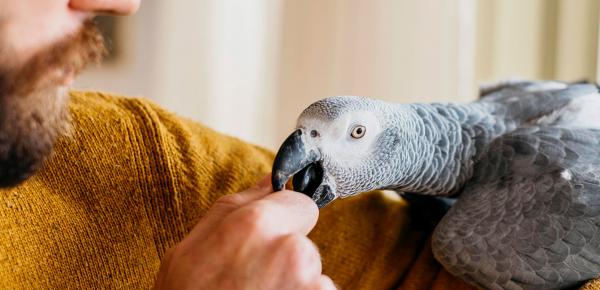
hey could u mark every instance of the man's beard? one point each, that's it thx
(33, 101)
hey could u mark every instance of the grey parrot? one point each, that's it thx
(522, 163)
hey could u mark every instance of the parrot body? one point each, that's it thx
(529, 218)
(523, 163)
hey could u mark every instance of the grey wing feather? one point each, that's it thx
(507, 106)
(522, 85)
(527, 101)
(526, 86)
(530, 217)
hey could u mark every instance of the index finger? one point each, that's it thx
(229, 203)
(279, 213)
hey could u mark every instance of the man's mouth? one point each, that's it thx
(297, 161)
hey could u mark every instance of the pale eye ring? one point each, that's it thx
(358, 132)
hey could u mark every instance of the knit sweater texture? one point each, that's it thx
(131, 180)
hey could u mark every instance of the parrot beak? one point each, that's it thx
(299, 160)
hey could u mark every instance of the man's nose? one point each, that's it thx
(119, 7)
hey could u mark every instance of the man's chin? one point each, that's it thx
(33, 101)
(29, 129)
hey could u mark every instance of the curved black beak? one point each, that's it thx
(293, 156)
(298, 159)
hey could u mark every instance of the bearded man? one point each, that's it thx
(44, 44)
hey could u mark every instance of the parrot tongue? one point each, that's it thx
(308, 179)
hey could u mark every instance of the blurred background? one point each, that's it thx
(248, 68)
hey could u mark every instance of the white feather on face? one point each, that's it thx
(335, 140)
(376, 156)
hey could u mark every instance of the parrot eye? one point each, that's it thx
(358, 132)
(314, 133)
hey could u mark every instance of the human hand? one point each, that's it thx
(254, 239)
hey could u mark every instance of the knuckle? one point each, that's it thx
(301, 253)
(252, 219)
(299, 256)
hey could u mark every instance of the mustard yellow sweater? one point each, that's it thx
(132, 179)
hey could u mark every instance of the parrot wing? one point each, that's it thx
(530, 216)
(521, 85)
(527, 101)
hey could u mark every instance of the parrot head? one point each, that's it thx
(342, 146)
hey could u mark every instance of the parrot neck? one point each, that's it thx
(451, 137)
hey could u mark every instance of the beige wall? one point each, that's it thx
(405, 51)
(248, 68)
